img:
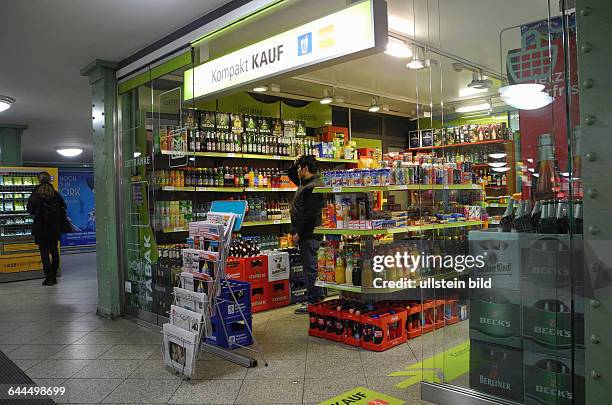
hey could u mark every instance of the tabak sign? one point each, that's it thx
(339, 34)
(541, 60)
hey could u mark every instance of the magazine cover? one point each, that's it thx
(227, 219)
(180, 350)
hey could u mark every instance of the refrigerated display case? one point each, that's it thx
(19, 255)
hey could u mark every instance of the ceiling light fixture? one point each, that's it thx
(398, 48)
(260, 89)
(6, 102)
(326, 97)
(500, 169)
(417, 61)
(525, 96)
(69, 152)
(479, 81)
(374, 106)
(531, 169)
(498, 155)
(497, 164)
(473, 108)
(339, 99)
(275, 87)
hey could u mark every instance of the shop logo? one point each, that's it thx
(305, 44)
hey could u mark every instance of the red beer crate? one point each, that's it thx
(280, 295)
(427, 316)
(439, 307)
(352, 328)
(384, 329)
(260, 296)
(450, 311)
(413, 320)
(317, 326)
(234, 269)
(256, 269)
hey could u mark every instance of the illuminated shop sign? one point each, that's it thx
(345, 32)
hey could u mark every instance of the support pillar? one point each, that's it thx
(10, 144)
(103, 106)
(594, 60)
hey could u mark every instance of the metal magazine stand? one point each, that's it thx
(238, 208)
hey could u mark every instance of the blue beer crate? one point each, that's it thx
(230, 310)
(235, 334)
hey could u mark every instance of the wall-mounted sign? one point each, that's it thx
(352, 30)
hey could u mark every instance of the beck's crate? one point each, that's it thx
(230, 310)
(231, 335)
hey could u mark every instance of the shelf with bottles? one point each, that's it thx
(175, 216)
(422, 187)
(249, 136)
(549, 216)
(222, 179)
(458, 136)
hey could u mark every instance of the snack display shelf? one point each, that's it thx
(459, 145)
(389, 231)
(366, 189)
(250, 156)
(227, 189)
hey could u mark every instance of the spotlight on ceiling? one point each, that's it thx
(374, 106)
(398, 48)
(69, 152)
(473, 108)
(326, 97)
(417, 61)
(479, 82)
(6, 102)
(260, 89)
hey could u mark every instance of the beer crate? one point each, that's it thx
(230, 310)
(280, 295)
(299, 292)
(231, 335)
(384, 328)
(256, 269)
(234, 269)
(260, 296)
(495, 316)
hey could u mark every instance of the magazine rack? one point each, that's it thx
(214, 284)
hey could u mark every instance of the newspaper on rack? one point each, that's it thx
(188, 320)
(180, 349)
(227, 219)
(197, 302)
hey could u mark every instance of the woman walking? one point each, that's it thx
(49, 211)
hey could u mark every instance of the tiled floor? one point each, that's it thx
(54, 335)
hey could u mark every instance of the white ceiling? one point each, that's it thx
(44, 44)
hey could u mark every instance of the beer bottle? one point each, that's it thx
(507, 218)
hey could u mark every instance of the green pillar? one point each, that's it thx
(10, 144)
(103, 106)
(593, 19)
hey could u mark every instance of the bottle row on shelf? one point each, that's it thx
(236, 122)
(178, 214)
(339, 263)
(547, 216)
(459, 135)
(252, 177)
(491, 178)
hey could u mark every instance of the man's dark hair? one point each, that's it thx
(309, 161)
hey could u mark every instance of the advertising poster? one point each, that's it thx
(77, 189)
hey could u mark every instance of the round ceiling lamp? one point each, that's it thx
(69, 152)
(6, 102)
(525, 96)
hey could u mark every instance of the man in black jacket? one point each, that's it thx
(305, 215)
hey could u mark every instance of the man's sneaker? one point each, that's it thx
(303, 309)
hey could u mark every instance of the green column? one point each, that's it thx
(103, 106)
(594, 30)
(10, 144)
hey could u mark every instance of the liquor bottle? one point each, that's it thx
(576, 224)
(547, 220)
(561, 217)
(507, 218)
(536, 213)
(548, 180)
